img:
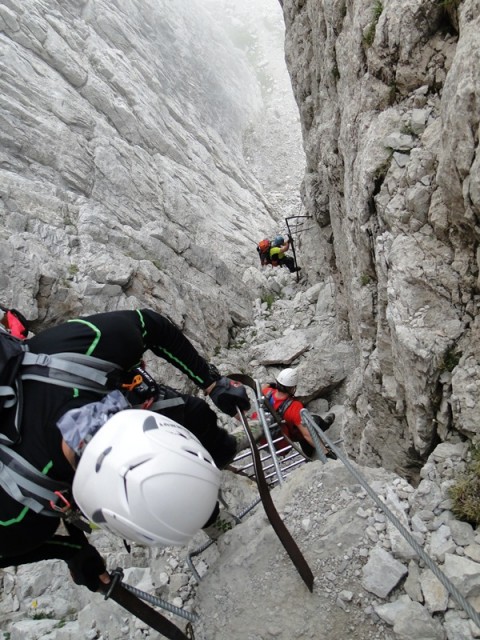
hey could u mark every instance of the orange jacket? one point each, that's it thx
(288, 407)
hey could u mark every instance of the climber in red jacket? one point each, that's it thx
(280, 395)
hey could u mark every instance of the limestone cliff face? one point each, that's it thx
(389, 99)
(123, 132)
(121, 163)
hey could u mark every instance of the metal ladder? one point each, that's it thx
(279, 456)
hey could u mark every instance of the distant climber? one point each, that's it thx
(273, 253)
(277, 254)
(280, 395)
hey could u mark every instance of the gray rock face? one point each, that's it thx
(389, 103)
(120, 171)
(121, 163)
(367, 576)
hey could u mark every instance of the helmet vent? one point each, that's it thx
(149, 424)
(98, 517)
(196, 455)
(101, 458)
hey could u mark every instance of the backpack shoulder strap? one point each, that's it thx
(284, 406)
(36, 491)
(28, 486)
(270, 407)
(69, 369)
(8, 395)
(280, 410)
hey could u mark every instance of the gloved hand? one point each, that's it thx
(228, 394)
(86, 566)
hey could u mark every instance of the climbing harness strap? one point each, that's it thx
(27, 485)
(280, 410)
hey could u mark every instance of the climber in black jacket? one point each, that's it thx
(120, 337)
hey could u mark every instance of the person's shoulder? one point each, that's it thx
(296, 403)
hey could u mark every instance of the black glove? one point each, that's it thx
(213, 374)
(228, 394)
(86, 566)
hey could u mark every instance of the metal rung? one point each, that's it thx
(286, 468)
(286, 458)
(246, 454)
(295, 464)
(293, 461)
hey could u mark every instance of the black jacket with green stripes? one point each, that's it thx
(121, 337)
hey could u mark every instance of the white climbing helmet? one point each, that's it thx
(288, 377)
(147, 479)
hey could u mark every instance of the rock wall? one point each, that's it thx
(123, 180)
(389, 99)
(119, 172)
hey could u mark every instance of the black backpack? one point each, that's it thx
(19, 478)
(263, 249)
(17, 363)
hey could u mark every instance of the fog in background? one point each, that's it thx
(272, 144)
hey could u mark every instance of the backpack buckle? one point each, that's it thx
(136, 382)
(43, 359)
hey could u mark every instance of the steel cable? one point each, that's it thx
(159, 602)
(446, 582)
